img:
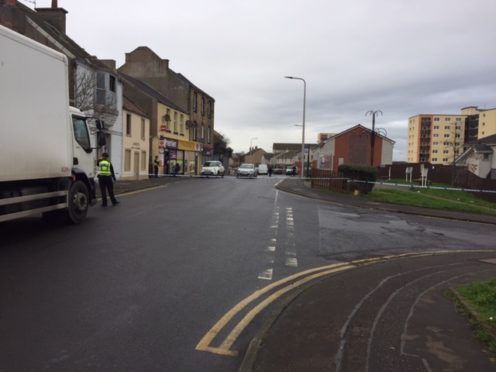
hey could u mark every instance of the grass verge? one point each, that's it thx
(478, 302)
(437, 199)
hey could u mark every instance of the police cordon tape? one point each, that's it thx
(348, 180)
(419, 186)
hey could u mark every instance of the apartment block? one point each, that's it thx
(441, 138)
(437, 139)
(480, 123)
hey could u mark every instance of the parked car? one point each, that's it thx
(263, 169)
(246, 170)
(290, 171)
(212, 168)
(278, 170)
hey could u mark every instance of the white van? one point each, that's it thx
(262, 169)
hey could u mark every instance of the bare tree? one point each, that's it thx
(92, 99)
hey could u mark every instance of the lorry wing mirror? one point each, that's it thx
(99, 124)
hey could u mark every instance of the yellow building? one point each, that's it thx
(437, 139)
(135, 141)
(440, 138)
(480, 122)
(173, 145)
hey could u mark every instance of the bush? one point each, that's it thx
(361, 173)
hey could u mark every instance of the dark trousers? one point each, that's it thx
(106, 184)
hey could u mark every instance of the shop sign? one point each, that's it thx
(187, 145)
(171, 144)
(172, 154)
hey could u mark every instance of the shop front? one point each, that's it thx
(192, 159)
(180, 156)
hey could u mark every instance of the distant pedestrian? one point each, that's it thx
(106, 176)
(156, 163)
(176, 169)
(294, 171)
(270, 171)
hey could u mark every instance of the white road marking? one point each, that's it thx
(266, 275)
(291, 262)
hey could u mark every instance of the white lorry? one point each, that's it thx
(47, 164)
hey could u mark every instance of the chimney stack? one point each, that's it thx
(54, 15)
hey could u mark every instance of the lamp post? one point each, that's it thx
(303, 124)
(372, 135)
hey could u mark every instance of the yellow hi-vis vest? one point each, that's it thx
(104, 168)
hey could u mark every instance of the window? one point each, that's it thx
(112, 83)
(143, 160)
(175, 122)
(142, 128)
(446, 127)
(195, 102)
(127, 160)
(100, 88)
(203, 106)
(209, 109)
(445, 151)
(458, 119)
(128, 125)
(209, 134)
(445, 160)
(434, 151)
(436, 126)
(202, 133)
(435, 143)
(434, 159)
(436, 119)
(435, 135)
(447, 119)
(181, 124)
(446, 135)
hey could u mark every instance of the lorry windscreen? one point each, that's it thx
(81, 133)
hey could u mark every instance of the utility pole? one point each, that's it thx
(372, 135)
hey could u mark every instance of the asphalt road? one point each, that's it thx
(138, 286)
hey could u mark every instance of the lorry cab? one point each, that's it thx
(83, 153)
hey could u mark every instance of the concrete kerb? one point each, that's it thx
(250, 357)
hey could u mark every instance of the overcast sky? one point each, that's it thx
(403, 57)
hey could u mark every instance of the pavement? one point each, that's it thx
(381, 314)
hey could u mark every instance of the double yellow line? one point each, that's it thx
(294, 281)
(225, 346)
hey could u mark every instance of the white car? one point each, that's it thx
(212, 168)
(247, 170)
(263, 169)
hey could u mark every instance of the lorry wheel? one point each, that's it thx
(78, 202)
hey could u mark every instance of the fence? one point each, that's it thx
(328, 180)
(459, 177)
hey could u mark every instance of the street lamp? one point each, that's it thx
(303, 125)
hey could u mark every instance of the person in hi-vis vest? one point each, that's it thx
(106, 176)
